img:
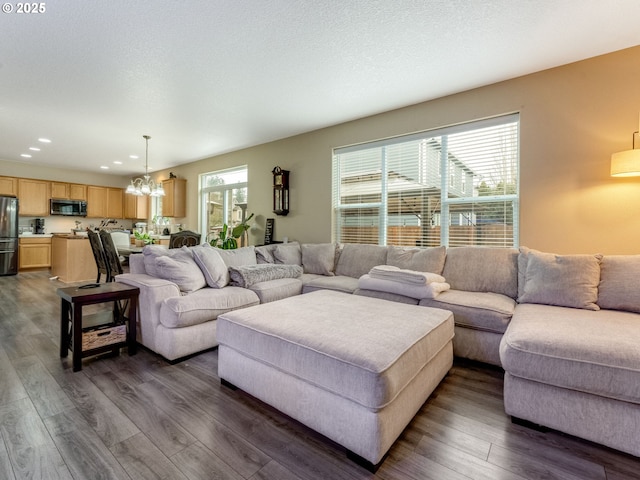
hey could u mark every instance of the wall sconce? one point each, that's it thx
(626, 163)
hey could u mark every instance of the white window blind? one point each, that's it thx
(452, 186)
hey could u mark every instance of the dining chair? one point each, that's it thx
(98, 254)
(114, 267)
(186, 237)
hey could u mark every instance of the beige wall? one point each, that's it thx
(572, 119)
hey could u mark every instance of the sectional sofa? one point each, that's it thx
(565, 328)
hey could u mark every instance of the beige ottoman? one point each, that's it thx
(355, 369)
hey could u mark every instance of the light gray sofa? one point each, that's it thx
(566, 329)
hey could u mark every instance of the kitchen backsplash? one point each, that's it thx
(61, 224)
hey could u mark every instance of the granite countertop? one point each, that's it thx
(35, 235)
(70, 236)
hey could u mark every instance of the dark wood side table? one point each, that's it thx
(72, 321)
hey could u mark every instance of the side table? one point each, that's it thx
(72, 321)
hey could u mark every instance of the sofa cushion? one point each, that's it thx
(339, 283)
(204, 305)
(319, 258)
(356, 260)
(485, 311)
(153, 252)
(211, 264)
(420, 259)
(273, 290)
(618, 289)
(589, 351)
(248, 275)
(288, 253)
(238, 257)
(482, 269)
(181, 269)
(562, 280)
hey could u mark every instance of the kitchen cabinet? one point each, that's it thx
(96, 202)
(114, 203)
(174, 202)
(73, 259)
(77, 192)
(136, 207)
(72, 191)
(34, 253)
(9, 186)
(104, 202)
(59, 190)
(34, 197)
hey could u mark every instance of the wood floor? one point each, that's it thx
(141, 418)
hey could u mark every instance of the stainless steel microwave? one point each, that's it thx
(76, 208)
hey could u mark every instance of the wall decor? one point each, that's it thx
(280, 191)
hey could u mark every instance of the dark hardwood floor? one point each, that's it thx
(139, 417)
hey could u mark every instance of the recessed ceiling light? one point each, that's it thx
(117, 162)
(134, 156)
(44, 140)
(104, 167)
(35, 149)
(25, 155)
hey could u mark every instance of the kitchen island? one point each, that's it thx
(72, 259)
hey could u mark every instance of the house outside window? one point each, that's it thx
(223, 197)
(452, 186)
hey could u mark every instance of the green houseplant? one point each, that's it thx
(145, 238)
(227, 238)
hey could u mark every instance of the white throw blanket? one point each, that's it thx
(410, 277)
(430, 290)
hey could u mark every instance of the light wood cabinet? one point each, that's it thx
(174, 203)
(114, 203)
(9, 186)
(136, 207)
(96, 202)
(34, 197)
(77, 192)
(104, 202)
(73, 259)
(34, 253)
(59, 190)
(72, 191)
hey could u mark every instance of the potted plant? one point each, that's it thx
(143, 239)
(227, 238)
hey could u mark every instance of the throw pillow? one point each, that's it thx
(618, 288)
(151, 253)
(319, 258)
(357, 259)
(562, 280)
(288, 253)
(211, 264)
(264, 253)
(419, 259)
(237, 257)
(181, 269)
(248, 275)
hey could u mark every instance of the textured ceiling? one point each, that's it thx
(207, 77)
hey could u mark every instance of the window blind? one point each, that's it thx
(452, 186)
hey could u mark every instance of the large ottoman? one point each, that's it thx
(356, 369)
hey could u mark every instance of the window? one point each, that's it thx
(223, 199)
(452, 186)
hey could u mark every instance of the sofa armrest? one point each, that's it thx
(136, 263)
(152, 293)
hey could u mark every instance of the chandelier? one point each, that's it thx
(144, 185)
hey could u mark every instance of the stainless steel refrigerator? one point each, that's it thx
(8, 235)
